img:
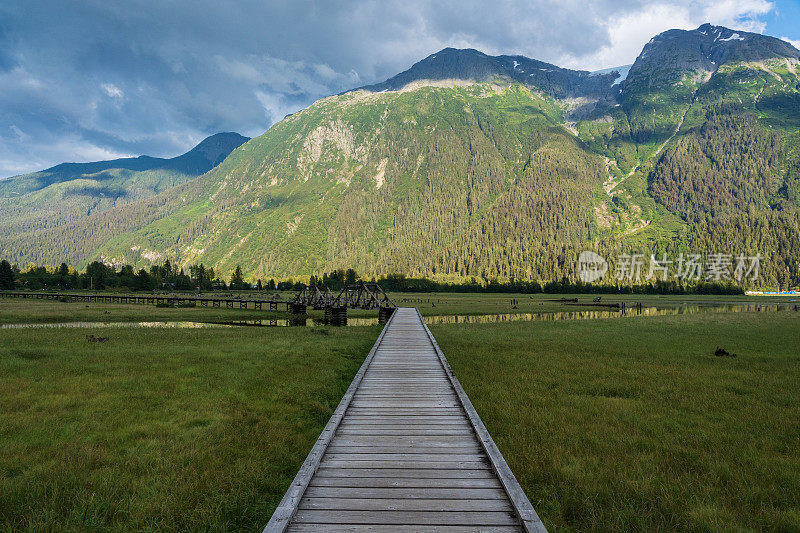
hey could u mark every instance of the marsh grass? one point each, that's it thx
(609, 424)
(634, 424)
(163, 430)
(429, 304)
(45, 311)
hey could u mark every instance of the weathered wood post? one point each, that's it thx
(384, 313)
(335, 316)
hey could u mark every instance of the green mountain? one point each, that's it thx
(469, 165)
(71, 191)
(703, 153)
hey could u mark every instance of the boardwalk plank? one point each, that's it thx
(411, 431)
(402, 457)
(398, 492)
(419, 482)
(449, 465)
(411, 473)
(381, 528)
(406, 518)
(404, 504)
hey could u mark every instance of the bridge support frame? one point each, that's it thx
(335, 316)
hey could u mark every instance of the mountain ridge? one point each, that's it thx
(210, 151)
(704, 49)
(496, 178)
(70, 191)
(472, 65)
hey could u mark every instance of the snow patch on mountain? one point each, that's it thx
(733, 37)
(622, 71)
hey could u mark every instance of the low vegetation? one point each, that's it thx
(163, 430)
(14, 311)
(680, 422)
(635, 424)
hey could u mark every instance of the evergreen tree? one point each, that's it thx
(237, 281)
(6, 275)
(143, 281)
(96, 274)
(63, 276)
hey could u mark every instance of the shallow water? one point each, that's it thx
(605, 313)
(175, 324)
(434, 320)
(165, 324)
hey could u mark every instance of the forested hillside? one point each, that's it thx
(473, 166)
(71, 191)
(389, 183)
(729, 165)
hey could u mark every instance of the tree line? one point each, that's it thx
(99, 276)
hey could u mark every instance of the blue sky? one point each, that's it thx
(84, 80)
(784, 20)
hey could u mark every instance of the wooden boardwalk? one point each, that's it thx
(145, 299)
(405, 451)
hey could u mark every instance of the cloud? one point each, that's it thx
(21, 135)
(65, 147)
(630, 30)
(112, 90)
(95, 79)
(795, 43)
(740, 14)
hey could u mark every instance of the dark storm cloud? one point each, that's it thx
(98, 79)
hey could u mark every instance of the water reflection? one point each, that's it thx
(685, 309)
(586, 315)
(166, 324)
(264, 323)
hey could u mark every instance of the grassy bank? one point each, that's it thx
(163, 429)
(44, 311)
(634, 425)
(429, 304)
(453, 303)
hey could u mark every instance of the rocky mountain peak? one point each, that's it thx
(670, 55)
(473, 65)
(217, 147)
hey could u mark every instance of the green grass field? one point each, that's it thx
(617, 425)
(163, 430)
(609, 424)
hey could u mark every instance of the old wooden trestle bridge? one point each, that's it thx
(352, 296)
(335, 304)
